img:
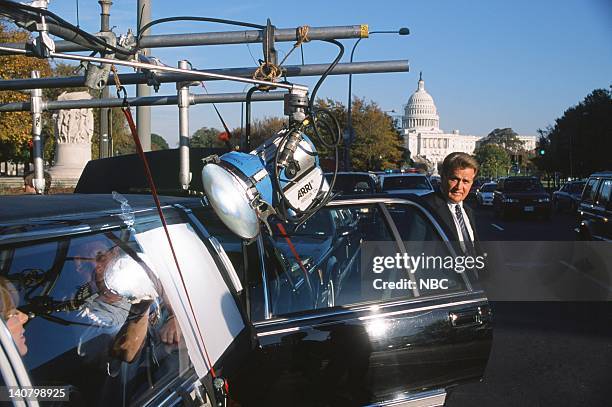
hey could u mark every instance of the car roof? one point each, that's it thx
(350, 173)
(518, 178)
(602, 174)
(30, 207)
(403, 174)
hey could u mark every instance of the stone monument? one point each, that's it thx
(73, 131)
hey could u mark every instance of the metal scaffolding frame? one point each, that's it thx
(182, 76)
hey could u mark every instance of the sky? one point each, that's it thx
(487, 63)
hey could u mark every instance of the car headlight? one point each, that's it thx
(509, 200)
(545, 199)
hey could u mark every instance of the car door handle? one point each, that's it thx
(469, 317)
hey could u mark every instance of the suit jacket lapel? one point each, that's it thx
(446, 218)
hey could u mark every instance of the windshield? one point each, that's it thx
(488, 188)
(351, 184)
(405, 182)
(319, 225)
(523, 185)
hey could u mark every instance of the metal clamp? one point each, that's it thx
(96, 76)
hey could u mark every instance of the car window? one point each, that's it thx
(521, 185)
(89, 313)
(352, 184)
(308, 271)
(421, 238)
(488, 188)
(577, 188)
(605, 190)
(590, 190)
(406, 182)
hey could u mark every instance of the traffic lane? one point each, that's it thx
(544, 354)
(529, 228)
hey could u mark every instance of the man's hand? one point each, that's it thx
(170, 333)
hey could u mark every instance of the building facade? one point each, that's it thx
(426, 140)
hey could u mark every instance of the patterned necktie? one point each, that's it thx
(467, 240)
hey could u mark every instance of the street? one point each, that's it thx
(547, 353)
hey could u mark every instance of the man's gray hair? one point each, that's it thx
(458, 160)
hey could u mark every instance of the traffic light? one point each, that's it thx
(541, 152)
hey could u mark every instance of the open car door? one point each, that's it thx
(332, 333)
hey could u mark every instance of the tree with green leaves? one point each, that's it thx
(493, 159)
(580, 142)
(158, 142)
(505, 138)
(207, 137)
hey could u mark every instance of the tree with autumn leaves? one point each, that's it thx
(377, 145)
(16, 127)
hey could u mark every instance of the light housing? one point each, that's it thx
(235, 185)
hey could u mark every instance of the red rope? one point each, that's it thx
(281, 228)
(128, 115)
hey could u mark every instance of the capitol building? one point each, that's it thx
(424, 138)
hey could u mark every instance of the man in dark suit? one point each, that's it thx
(446, 204)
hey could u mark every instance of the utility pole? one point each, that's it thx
(143, 113)
(105, 6)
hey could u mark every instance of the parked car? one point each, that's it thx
(352, 183)
(478, 182)
(595, 209)
(567, 198)
(521, 195)
(95, 278)
(484, 194)
(407, 183)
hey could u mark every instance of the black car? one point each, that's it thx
(96, 304)
(567, 198)
(595, 209)
(521, 196)
(355, 183)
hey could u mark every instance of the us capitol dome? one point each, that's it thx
(423, 136)
(421, 112)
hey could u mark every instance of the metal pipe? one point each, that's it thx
(135, 78)
(225, 38)
(349, 118)
(37, 148)
(143, 113)
(246, 145)
(104, 112)
(105, 6)
(148, 101)
(183, 106)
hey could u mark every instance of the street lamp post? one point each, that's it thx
(348, 132)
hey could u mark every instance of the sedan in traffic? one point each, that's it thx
(484, 194)
(406, 183)
(521, 196)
